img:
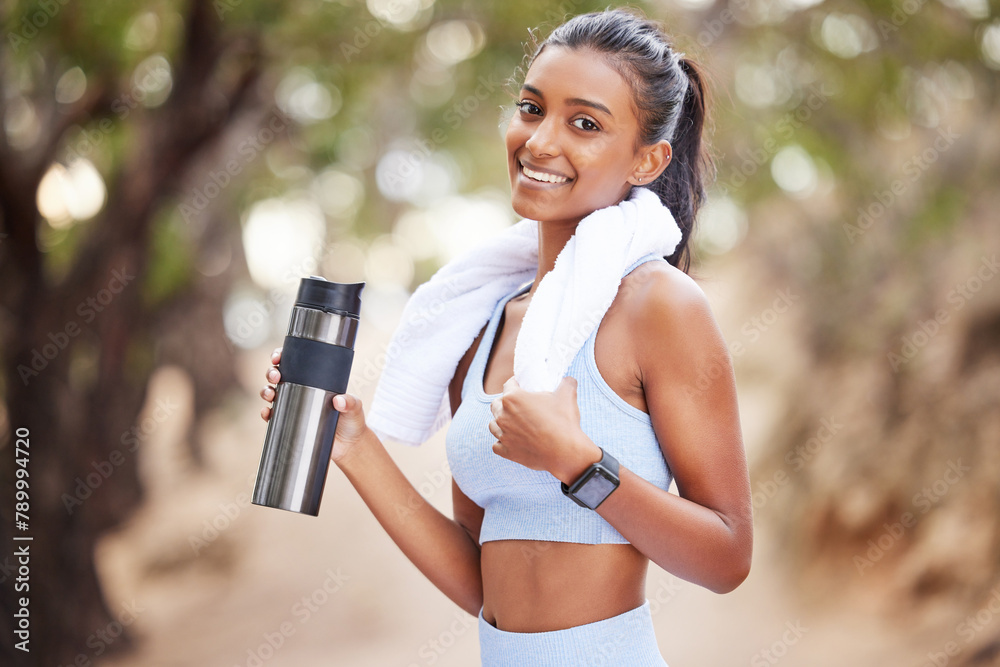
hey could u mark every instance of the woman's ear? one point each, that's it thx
(653, 159)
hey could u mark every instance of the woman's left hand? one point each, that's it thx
(541, 430)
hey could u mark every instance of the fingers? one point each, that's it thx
(568, 383)
(273, 376)
(496, 407)
(345, 403)
(495, 430)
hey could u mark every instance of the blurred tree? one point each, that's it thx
(80, 322)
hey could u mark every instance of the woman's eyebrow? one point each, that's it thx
(573, 101)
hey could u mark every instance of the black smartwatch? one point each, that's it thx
(596, 483)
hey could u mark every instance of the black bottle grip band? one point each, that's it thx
(315, 364)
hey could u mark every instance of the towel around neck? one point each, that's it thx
(444, 316)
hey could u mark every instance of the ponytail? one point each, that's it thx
(681, 186)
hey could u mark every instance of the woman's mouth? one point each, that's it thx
(543, 177)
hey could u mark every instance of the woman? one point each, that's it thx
(560, 497)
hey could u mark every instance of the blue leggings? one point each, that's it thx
(626, 640)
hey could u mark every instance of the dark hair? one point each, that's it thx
(669, 96)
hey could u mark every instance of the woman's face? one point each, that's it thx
(571, 143)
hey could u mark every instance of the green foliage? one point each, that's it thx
(171, 265)
(859, 114)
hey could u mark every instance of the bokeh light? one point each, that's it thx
(990, 45)
(303, 98)
(847, 35)
(71, 86)
(70, 194)
(281, 239)
(20, 123)
(722, 224)
(152, 81)
(451, 42)
(142, 31)
(794, 171)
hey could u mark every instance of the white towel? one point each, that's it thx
(445, 314)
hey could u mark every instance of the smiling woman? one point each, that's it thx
(545, 346)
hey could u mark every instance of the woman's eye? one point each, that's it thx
(586, 124)
(529, 108)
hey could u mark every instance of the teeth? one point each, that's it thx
(543, 177)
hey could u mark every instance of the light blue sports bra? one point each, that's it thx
(525, 504)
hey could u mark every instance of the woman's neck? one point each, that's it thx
(552, 238)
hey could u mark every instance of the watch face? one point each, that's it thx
(595, 489)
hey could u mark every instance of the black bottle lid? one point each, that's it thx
(320, 293)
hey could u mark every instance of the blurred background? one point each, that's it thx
(169, 170)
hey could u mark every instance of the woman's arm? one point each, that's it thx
(706, 534)
(446, 551)
(440, 547)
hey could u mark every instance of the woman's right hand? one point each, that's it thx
(273, 377)
(351, 426)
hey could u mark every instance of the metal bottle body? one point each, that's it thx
(315, 366)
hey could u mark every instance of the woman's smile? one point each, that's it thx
(540, 176)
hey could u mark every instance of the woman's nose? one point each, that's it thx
(543, 142)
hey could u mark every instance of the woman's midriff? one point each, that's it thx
(532, 586)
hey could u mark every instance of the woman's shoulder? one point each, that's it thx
(660, 302)
(661, 293)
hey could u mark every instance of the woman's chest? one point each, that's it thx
(614, 352)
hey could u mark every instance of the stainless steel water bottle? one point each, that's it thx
(315, 366)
